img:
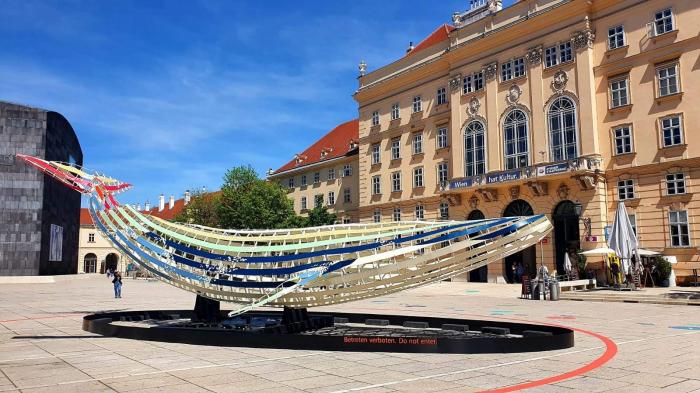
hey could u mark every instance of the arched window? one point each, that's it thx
(515, 135)
(562, 130)
(474, 149)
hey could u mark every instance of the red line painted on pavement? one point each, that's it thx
(48, 317)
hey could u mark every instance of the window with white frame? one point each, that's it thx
(376, 154)
(317, 177)
(420, 212)
(663, 21)
(377, 215)
(347, 170)
(346, 195)
(672, 131)
(474, 149)
(396, 214)
(346, 220)
(331, 197)
(375, 118)
(616, 37)
(675, 183)
(376, 185)
(557, 54)
(667, 76)
(91, 237)
(395, 181)
(395, 111)
(516, 140)
(444, 211)
(625, 189)
(418, 143)
(331, 174)
(290, 182)
(678, 223)
(418, 177)
(303, 180)
(512, 69)
(303, 203)
(633, 222)
(619, 92)
(417, 104)
(623, 139)
(318, 200)
(396, 148)
(441, 96)
(562, 129)
(441, 137)
(473, 82)
(442, 173)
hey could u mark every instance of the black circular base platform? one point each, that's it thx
(330, 331)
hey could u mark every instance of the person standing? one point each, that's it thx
(117, 285)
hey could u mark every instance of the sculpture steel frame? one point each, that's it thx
(299, 267)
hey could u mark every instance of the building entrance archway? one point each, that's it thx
(112, 261)
(566, 233)
(526, 258)
(90, 263)
(481, 274)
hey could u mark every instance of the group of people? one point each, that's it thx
(518, 271)
(116, 277)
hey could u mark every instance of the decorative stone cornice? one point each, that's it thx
(455, 82)
(473, 107)
(582, 39)
(490, 70)
(559, 81)
(534, 55)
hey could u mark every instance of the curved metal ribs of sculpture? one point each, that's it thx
(298, 267)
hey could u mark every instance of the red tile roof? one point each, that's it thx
(440, 34)
(166, 214)
(335, 144)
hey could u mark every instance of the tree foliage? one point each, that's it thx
(319, 216)
(202, 210)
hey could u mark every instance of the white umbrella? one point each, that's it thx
(647, 253)
(567, 263)
(599, 251)
(622, 238)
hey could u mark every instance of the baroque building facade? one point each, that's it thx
(556, 107)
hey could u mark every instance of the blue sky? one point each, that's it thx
(167, 95)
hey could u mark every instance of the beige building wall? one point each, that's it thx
(92, 242)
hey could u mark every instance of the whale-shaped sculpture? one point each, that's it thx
(296, 267)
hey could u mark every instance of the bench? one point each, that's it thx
(577, 284)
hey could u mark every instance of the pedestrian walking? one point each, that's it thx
(117, 285)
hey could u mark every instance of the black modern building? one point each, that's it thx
(39, 217)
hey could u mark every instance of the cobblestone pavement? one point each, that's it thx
(43, 349)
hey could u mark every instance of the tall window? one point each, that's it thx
(331, 197)
(303, 203)
(444, 211)
(474, 149)
(473, 82)
(625, 189)
(442, 173)
(619, 93)
(512, 69)
(346, 195)
(675, 183)
(616, 37)
(671, 129)
(396, 181)
(303, 180)
(623, 140)
(418, 143)
(558, 54)
(417, 104)
(442, 137)
(376, 154)
(441, 96)
(346, 220)
(395, 148)
(91, 237)
(331, 174)
(318, 200)
(667, 76)
(678, 222)
(663, 21)
(397, 214)
(377, 215)
(376, 185)
(562, 129)
(395, 111)
(633, 222)
(516, 144)
(420, 212)
(375, 118)
(290, 182)
(347, 170)
(317, 177)
(418, 177)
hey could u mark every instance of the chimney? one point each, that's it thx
(161, 203)
(138, 208)
(147, 206)
(171, 205)
(204, 189)
(410, 47)
(187, 197)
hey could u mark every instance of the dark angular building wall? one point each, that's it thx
(31, 201)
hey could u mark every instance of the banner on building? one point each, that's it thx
(552, 169)
(461, 183)
(56, 243)
(503, 176)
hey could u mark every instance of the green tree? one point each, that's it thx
(238, 177)
(202, 210)
(319, 216)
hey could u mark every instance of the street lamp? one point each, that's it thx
(578, 209)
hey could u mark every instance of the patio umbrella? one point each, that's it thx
(623, 240)
(647, 253)
(567, 263)
(599, 251)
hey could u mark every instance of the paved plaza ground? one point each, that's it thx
(43, 349)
